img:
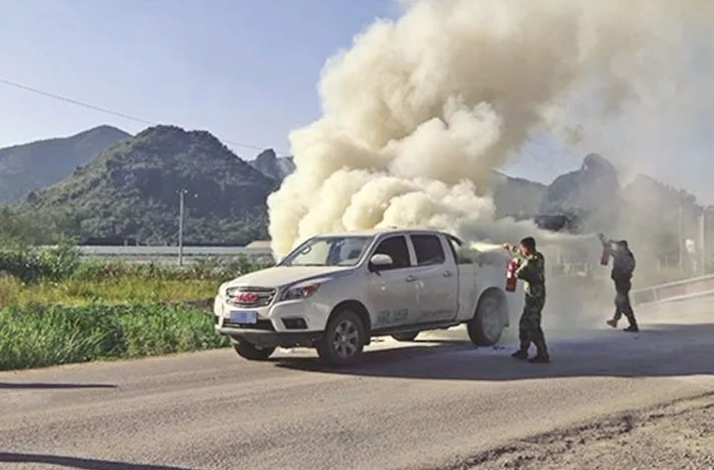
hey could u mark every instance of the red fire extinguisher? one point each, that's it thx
(511, 274)
(605, 257)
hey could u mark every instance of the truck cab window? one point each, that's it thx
(396, 248)
(428, 250)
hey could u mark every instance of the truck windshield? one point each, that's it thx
(328, 251)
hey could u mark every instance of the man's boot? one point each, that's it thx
(612, 322)
(540, 359)
(542, 356)
(521, 354)
(632, 329)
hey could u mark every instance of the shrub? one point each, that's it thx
(23, 264)
(29, 264)
(60, 262)
(10, 288)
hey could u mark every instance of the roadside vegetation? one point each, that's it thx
(34, 335)
(56, 308)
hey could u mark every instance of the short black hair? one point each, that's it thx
(623, 244)
(529, 242)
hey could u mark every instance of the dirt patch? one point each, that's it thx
(678, 435)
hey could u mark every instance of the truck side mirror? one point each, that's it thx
(379, 262)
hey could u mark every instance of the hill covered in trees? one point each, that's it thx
(130, 191)
(27, 167)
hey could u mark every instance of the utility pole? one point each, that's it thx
(702, 242)
(680, 239)
(181, 192)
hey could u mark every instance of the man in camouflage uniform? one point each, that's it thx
(532, 271)
(623, 265)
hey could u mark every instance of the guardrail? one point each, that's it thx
(678, 290)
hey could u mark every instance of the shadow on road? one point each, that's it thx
(668, 350)
(49, 385)
(75, 462)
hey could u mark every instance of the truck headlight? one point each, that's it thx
(300, 291)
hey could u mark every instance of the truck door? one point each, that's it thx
(391, 291)
(437, 282)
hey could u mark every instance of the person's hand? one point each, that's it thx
(601, 236)
(506, 246)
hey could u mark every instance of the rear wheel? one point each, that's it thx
(251, 352)
(344, 339)
(486, 327)
(406, 336)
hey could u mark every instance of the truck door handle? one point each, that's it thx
(410, 278)
(447, 274)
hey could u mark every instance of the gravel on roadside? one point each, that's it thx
(677, 435)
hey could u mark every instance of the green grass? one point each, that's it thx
(35, 336)
(57, 309)
(94, 281)
(118, 290)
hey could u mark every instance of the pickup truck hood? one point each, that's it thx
(280, 276)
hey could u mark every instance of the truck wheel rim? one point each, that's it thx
(345, 339)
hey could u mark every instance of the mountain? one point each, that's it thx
(272, 166)
(592, 194)
(657, 212)
(130, 191)
(516, 196)
(646, 191)
(26, 167)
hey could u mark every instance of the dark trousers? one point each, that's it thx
(622, 303)
(529, 330)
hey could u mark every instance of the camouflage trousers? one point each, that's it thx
(529, 330)
(622, 303)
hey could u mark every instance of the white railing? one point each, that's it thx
(678, 290)
(144, 253)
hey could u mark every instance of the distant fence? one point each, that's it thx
(167, 254)
(685, 289)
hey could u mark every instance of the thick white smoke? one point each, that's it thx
(419, 112)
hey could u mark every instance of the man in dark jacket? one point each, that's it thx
(532, 271)
(623, 265)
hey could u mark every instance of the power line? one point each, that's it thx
(111, 112)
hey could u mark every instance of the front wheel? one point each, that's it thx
(486, 327)
(252, 352)
(344, 339)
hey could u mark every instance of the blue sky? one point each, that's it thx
(245, 70)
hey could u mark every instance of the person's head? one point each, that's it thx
(528, 246)
(622, 245)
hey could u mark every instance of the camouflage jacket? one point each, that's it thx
(623, 263)
(532, 271)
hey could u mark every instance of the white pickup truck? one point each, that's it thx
(335, 292)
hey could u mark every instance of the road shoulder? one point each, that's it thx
(679, 434)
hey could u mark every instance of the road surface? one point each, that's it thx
(424, 405)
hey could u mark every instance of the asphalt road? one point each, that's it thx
(426, 404)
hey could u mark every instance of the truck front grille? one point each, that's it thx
(251, 296)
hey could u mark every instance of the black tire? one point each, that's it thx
(406, 336)
(487, 325)
(343, 340)
(252, 352)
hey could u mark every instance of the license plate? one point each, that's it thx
(248, 317)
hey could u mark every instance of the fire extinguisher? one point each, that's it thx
(605, 257)
(511, 274)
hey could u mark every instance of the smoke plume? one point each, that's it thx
(420, 111)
